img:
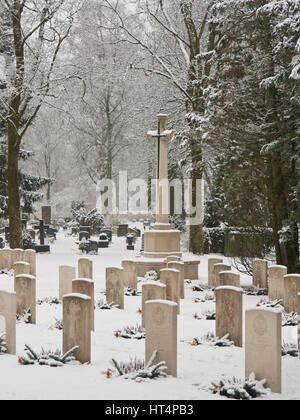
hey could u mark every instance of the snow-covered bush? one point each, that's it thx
(214, 240)
(137, 332)
(151, 276)
(289, 320)
(151, 371)
(211, 340)
(3, 348)
(49, 301)
(47, 358)
(103, 305)
(239, 389)
(84, 218)
(27, 241)
(290, 349)
(132, 292)
(255, 291)
(25, 318)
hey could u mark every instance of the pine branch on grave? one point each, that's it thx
(290, 349)
(47, 358)
(238, 389)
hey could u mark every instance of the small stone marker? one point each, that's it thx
(46, 214)
(263, 346)
(152, 290)
(260, 273)
(77, 326)
(115, 286)
(228, 278)
(20, 267)
(8, 313)
(26, 295)
(85, 269)
(218, 268)
(211, 263)
(229, 313)
(171, 278)
(66, 275)
(86, 287)
(291, 290)
(130, 274)
(30, 257)
(276, 282)
(180, 267)
(161, 333)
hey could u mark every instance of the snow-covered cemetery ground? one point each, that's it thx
(198, 366)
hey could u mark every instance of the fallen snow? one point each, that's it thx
(198, 366)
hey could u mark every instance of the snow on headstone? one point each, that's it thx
(276, 282)
(152, 290)
(26, 296)
(263, 346)
(77, 326)
(161, 333)
(171, 278)
(86, 287)
(115, 286)
(8, 313)
(211, 276)
(66, 275)
(260, 273)
(229, 314)
(291, 289)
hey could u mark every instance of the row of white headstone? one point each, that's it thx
(280, 285)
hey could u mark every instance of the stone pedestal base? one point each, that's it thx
(162, 243)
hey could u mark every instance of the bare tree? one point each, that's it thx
(39, 29)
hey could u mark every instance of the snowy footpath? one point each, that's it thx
(198, 366)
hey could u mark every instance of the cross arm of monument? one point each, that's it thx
(166, 135)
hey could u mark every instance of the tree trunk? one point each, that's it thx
(14, 210)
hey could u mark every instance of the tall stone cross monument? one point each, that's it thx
(162, 242)
(162, 137)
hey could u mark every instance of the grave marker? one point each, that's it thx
(8, 314)
(26, 295)
(211, 276)
(161, 333)
(229, 313)
(180, 267)
(130, 274)
(291, 290)
(85, 269)
(218, 268)
(260, 273)
(263, 346)
(276, 282)
(77, 326)
(86, 287)
(115, 286)
(152, 290)
(228, 278)
(171, 278)
(66, 275)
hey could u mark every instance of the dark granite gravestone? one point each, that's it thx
(2, 243)
(46, 214)
(85, 229)
(122, 230)
(24, 224)
(42, 247)
(84, 235)
(130, 242)
(103, 241)
(6, 234)
(143, 243)
(108, 232)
